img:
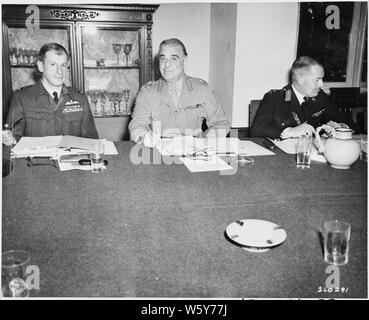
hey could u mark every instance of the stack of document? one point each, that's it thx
(54, 146)
(37, 147)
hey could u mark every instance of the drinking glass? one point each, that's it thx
(126, 94)
(336, 242)
(13, 273)
(303, 149)
(127, 51)
(117, 48)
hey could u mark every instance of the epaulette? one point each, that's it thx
(149, 84)
(203, 82)
(287, 94)
(25, 87)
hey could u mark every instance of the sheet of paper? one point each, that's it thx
(36, 146)
(289, 146)
(109, 147)
(213, 163)
(286, 145)
(184, 145)
(77, 142)
(250, 148)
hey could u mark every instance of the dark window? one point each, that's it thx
(328, 46)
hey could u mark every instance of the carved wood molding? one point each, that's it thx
(149, 63)
(126, 7)
(74, 15)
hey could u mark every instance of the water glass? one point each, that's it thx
(13, 273)
(303, 148)
(96, 156)
(336, 242)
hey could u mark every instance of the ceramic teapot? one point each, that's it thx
(340, 150)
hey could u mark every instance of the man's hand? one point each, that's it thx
(337, 125)
(8, 138)
(300, 130)
(151, 140)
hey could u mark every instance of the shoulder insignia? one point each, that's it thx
(287, 95)
(198, 80)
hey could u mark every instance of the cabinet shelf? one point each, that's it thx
(110, 67)
(22, 66)
(113, 116)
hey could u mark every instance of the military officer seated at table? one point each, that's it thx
(299, 107)
(176, 104)
(49, 107)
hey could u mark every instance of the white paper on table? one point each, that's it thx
(109, 147)
(198, 165)
(250, 148)
(286, 145)
(180, 145)
(185, 145)
(289, 146)
(77, 142)
(36, 146)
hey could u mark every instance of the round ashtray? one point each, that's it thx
(243, 160)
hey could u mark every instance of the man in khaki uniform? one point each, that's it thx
(176, 104)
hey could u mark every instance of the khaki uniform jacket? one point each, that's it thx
(34, 113)
(196, 103)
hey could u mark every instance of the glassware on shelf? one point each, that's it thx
(12, 56)
(111, 100)
(103, 102)
(126, 99)
(34, 56)
(27, 54)
(117, 48)
(94, 96)
(118, 97)
(127, 50)
(18, 54)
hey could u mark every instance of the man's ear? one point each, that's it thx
(300, 77)
(40, 66)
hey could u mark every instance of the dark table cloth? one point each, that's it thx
(158, 230)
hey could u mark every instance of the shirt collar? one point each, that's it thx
(50, 90)
(177, 86)
(300, 97)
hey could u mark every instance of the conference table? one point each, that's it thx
(158, 230)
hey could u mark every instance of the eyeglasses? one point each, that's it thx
(172, 60)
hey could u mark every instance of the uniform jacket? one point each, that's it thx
(196, 103)
(280, 109)
(34, 113)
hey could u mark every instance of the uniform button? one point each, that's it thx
(176, 111)
(177, 126)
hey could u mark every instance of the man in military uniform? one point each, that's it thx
(299, 107)
(48, 107)
(176, 104)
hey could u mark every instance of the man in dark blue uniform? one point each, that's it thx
(48, 107)
(299, 107)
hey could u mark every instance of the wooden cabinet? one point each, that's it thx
(110, 50)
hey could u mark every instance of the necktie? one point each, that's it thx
(304, 106)
(55, 97)
(174, 94)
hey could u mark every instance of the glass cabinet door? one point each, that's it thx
(111, 68)
(23, 47)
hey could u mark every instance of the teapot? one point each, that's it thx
(340, 150)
